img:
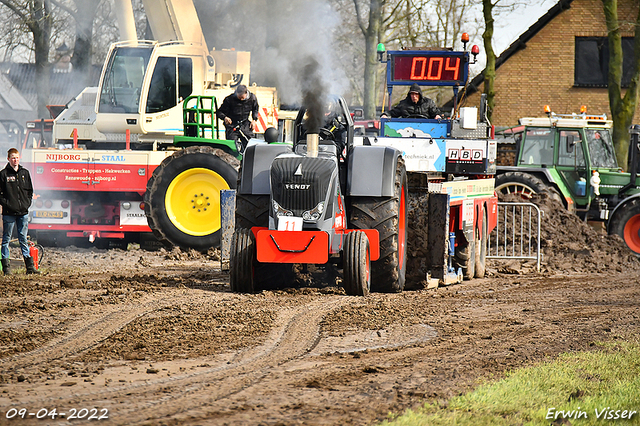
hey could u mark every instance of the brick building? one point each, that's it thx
(559, 61)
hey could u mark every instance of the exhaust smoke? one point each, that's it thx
(313, 95)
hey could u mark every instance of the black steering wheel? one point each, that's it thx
(326, 134)
(418, 116)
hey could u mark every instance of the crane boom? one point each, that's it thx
(126, 21)
(174, 20)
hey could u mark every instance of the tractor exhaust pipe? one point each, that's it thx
(312, 144)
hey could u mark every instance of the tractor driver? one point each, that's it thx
(239, 111)
(335, 125)
(414, 105)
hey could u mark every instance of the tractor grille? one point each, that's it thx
(304, 191)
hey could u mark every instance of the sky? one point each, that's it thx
(508, 27)
(517, 22)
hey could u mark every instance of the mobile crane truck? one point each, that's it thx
(571, 157)
(335, 198)
(94, 176)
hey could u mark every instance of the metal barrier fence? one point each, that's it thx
(517, 233)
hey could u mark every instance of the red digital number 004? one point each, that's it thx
(423, 68)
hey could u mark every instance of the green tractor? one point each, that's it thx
(571, 156)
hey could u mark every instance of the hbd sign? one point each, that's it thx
(473, 155)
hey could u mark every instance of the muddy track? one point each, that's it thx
(86, 336)
(294, 335)
(158, 338)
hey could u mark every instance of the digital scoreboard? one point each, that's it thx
(429, 68)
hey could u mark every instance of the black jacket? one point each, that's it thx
(16, 191)
(406, 108)
(238, 110)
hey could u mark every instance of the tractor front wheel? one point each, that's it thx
(356, 264)
(241, 262)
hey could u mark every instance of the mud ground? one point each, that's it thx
(157, 337)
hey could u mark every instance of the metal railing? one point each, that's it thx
(517, 233)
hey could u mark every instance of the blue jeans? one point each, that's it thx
(7, 230)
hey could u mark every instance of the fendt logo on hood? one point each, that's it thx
(299, 186)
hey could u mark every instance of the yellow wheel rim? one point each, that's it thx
(192, 201)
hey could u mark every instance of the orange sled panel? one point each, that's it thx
(292, 246)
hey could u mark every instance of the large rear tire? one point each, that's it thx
(182, 202)
(481, 246)
(356, 260)
(253, 210)
(241, 262)
(626, 223)
(389, 216)
(524, 185)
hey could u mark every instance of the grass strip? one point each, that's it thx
(585, 388)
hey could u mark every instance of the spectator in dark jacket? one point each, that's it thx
(239, 111)
(16, 192)
(415, 105)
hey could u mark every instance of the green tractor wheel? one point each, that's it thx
(182, 202)
(524, 185)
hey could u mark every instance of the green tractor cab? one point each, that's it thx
(571, 156)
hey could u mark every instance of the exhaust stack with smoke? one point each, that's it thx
(313, 140)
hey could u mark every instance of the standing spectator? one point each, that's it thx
(239, 111)
(16, 192)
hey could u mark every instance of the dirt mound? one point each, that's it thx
(570, 244)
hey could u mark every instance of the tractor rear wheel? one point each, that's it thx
(525, 185)
(626, 223)
(182, 202)
(389, 216)
(522, 184)
(481, 246)
(241, 262)
(356, 264)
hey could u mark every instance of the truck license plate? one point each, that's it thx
(49, 214)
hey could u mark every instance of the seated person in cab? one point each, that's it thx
(414, 106)
(329, 123)
(334, 126)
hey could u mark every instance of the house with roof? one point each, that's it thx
(560, 61)
(18, 96)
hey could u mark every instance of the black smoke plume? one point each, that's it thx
(313, 94)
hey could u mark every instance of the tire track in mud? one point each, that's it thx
(295, 333)
(87, 336)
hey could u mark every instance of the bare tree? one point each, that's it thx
(624, 107)
(83, 13)
(371, 30)
(490, 68)
(34, 16)
(405, 24)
